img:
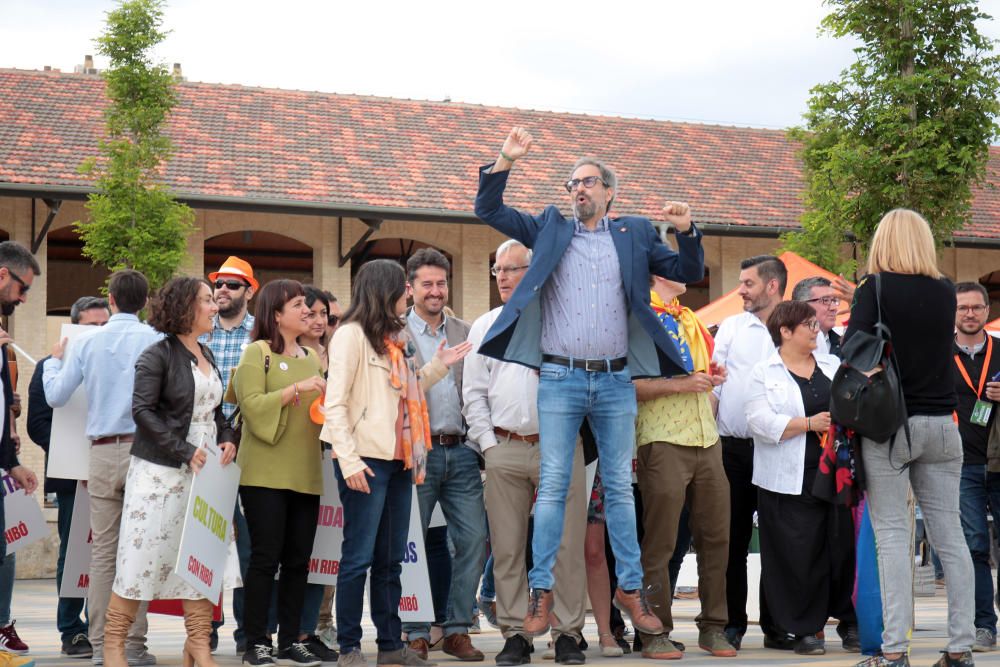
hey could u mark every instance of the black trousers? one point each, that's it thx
(737, 459)
(282, 527)
(807, 560)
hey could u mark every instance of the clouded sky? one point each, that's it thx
(725, 61)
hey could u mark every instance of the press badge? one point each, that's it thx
(981, 413)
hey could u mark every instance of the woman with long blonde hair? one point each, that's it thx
(918, 306)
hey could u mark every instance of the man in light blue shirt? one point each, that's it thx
(104, 362)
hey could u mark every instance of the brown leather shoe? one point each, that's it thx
(460, 646)
(637, 608)
(539, 608)
(420, 646)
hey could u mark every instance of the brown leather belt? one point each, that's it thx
(501, 433)
(591, 365)
(113, 439)
(446, 439)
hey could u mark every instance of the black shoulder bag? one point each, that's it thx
(866, 395)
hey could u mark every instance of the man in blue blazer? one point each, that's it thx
(581, 315)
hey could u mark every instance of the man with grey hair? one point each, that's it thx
(501, 410)
(581, 315)
(819, 293)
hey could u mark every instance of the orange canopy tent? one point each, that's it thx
(731, 303)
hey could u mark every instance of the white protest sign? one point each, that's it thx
(204, 548)
(23, 518)
(325, 561)
(437, 517)
(69, 451)
(415, 603)
(76, 568)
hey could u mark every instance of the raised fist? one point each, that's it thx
(678, 214)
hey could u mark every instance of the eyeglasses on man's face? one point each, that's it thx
(24, 286)
(496, 270)
(978, 309)
(588, 182)
(826, 300)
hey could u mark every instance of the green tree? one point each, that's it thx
(134, 220)
(909, 124)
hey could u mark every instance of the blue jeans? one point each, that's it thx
(438, 558)
(376, 526)
(453, 480)
(979, 493)
(488, 590)
(68, 610)
(6, 572)
(607, 400)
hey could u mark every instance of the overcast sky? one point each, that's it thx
(722, 61)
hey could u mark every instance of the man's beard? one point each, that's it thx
(976, 326)
(234, 308)
(7, 308)
(756, 305)
(584, 211)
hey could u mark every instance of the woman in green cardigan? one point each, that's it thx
(281, 484)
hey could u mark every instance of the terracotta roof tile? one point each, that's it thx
(345, 150)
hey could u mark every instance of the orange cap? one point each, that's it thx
(234, 266)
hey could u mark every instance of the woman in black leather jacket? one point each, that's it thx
(176, 404)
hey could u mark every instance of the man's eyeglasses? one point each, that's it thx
(978, 309)
(24, 286)
(826, 300)
(231, 285)
(588, 182)
(331, 320)
(497, 270)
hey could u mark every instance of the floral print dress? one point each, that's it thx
(156, 498)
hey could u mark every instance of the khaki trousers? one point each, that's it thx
(670, 475)
(512, 469)
(106, 485)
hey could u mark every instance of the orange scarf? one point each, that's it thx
(416, 435)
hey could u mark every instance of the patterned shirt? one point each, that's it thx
(680, 419)
(584, 315)
(227, 345)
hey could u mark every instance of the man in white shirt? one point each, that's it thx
(741, 342)
(501, 411)
(819, 293)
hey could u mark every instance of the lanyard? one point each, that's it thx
(986, 368)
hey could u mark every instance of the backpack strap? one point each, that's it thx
(883, 330)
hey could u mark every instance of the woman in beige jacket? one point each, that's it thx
(376, 420)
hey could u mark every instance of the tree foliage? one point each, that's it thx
(134, 220)
(909, 124)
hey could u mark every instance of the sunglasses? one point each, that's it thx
(231, 285)
(331, 320)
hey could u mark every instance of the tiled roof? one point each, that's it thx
(349, 151)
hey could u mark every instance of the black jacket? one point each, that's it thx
(40, 428)
(163, 401)
(8, 452)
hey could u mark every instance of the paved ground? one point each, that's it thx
(34, 609)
